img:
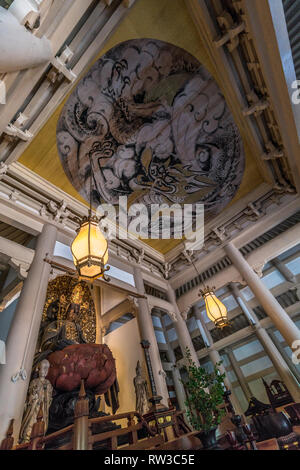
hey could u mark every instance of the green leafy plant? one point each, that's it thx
(205, 394)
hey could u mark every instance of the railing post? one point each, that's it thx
(133, 437)
(81, 421)
(8, 441)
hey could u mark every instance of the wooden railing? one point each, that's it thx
(135, 423)
(83, 435)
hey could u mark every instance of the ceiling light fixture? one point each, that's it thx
(215, 309)
(90, 247)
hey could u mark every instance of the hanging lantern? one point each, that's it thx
(215, 309)
(90, 249)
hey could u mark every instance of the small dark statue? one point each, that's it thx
(141, 391)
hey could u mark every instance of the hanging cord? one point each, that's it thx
(90, 208)
(199, 275)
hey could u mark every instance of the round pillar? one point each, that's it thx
(279, 364)
(240, 376)
(278, 361)
(179, 389)
(23, 334)
(286, 273)
(148, 334)
(184, 337)
(280, 318)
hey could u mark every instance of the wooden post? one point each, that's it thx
(249, 434)
(8, 442)
(133, 437)
(81, 421)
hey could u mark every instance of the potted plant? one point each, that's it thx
(205, 394)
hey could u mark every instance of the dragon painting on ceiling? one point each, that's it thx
(154, 126)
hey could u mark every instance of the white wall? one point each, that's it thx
(126, 349)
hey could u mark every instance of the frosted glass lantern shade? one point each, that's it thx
(90, 250)
(215, 309)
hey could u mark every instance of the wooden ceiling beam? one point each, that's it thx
(226, 77)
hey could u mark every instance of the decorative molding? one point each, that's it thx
(139, 255)
(258, 268)
(256, 108)
(17, 256)
(230, 38)
(13, 131)
(3, 169)
(239, 223)
(185, 312)
(238, 279)
(59, 210)
(162, 373)
(166, 269)
(220, 234)
(103, 330)
(253, 212)
(21, 267)
(173, 316)
(272, 152)
(33, 206)
(60, 66)
(30, 13)
(9, 292)
(133, 302)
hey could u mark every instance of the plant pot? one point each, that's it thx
(208, 439)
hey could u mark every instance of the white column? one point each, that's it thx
(184, 337)
(215, 358)
(23, 334)
(179, 389)
(278, 361)
(280, 365)
(285, 355)
(287, 274)
(240, 376)
(280, 318)
(148, 334)
(20, 48)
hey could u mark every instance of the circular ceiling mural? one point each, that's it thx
(155, 127)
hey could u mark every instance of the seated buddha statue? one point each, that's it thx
(56, 332)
